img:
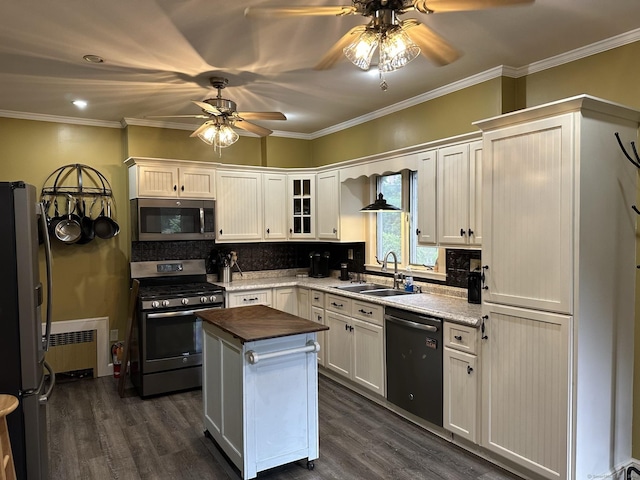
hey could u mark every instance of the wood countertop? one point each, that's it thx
(258, 322)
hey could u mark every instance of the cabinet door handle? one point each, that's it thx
(268, 230)
(462, 232)
(220, 231)
(470, 232)
(350, 328)
(469, 369)
(482, 327)
(364, 312)
(458, 337)
(175, 188)
(291, 230)
(417, 231)
(335, 231)
(182, 188)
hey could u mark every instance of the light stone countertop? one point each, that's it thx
(450, 308)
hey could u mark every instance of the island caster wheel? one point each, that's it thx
(310, 465)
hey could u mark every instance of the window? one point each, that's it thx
(394, 229)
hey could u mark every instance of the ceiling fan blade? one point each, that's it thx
(253, 128)
(200, 129)
(438, 6)
(177, 116)
(432, 45)
(207, 108)
(335, 54)
(262, 115)
(298, 11)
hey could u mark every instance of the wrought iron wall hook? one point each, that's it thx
(636, 162)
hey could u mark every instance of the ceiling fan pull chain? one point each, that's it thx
(383, 82)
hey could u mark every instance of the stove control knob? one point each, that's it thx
(203, 299)
(212, 298)
(165, 303)
(184, 301)
(155, 304)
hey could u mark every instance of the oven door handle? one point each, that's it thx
(179, 313)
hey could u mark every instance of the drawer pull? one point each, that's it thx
(250, 299)
(458, 337)
(364, 312)
(338, 305)
(316, 298)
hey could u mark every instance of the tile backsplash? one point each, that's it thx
(287, 255)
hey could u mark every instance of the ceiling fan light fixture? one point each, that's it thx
(220, 135)
(361, 50)
(396, 50)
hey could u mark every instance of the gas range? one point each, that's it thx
(169, 284)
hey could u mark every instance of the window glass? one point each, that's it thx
(389, 224)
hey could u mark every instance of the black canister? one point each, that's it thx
(344, 271)
(474, 287)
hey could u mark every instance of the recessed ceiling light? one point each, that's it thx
(80, 103)
(93, 59)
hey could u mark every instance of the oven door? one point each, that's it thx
(171, 340)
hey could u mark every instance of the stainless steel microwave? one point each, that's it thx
(158, 219)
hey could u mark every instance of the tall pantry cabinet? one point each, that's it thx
(558, 305)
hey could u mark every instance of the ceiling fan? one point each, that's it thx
(222, 116)
(398, 41)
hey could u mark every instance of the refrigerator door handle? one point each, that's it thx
(44, 398)
(48, 261)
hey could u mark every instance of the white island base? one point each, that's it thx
(262, 414)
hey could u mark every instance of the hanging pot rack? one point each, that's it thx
(77, 180)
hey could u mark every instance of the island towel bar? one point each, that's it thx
(254, 357)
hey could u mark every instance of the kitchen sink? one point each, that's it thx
(362, 287)
(386, 292)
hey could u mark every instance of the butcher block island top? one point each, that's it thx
(258, 322)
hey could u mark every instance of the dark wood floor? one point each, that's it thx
(94, 434)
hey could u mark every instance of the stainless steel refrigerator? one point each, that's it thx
(24, 372)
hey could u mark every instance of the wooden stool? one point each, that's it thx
(8, 403)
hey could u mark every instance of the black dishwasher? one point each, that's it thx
(414, 363)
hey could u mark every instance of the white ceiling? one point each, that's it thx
(160, 54)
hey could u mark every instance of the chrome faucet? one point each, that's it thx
(396, 278)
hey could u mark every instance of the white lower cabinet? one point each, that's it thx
(251, 297)
(461, 381)
(355, 341)
(460, 393)
(285, 300)
(525, 388)
(317, 315)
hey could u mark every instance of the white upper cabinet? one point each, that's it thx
(239, 206)
(427, 187)
(275, 212)
(302, 206)
(171, 180)
(458, 169)
(329, 201)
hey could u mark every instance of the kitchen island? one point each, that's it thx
(260, 386)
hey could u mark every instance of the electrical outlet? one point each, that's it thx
(113, 335)
(350, 254)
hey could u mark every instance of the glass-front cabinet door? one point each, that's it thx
(302, 194)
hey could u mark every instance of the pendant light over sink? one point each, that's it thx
(380, 205)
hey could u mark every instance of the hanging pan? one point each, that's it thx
(86, 222)
(104, 226)
(69, 230)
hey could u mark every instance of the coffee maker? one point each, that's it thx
(474, 287)
(319, 264)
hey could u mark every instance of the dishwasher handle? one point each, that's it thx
(408, 323)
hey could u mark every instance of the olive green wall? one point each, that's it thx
(612, 75)
(89, 280)
(287, 152)
(441, 117)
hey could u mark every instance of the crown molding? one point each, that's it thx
(41, 117)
